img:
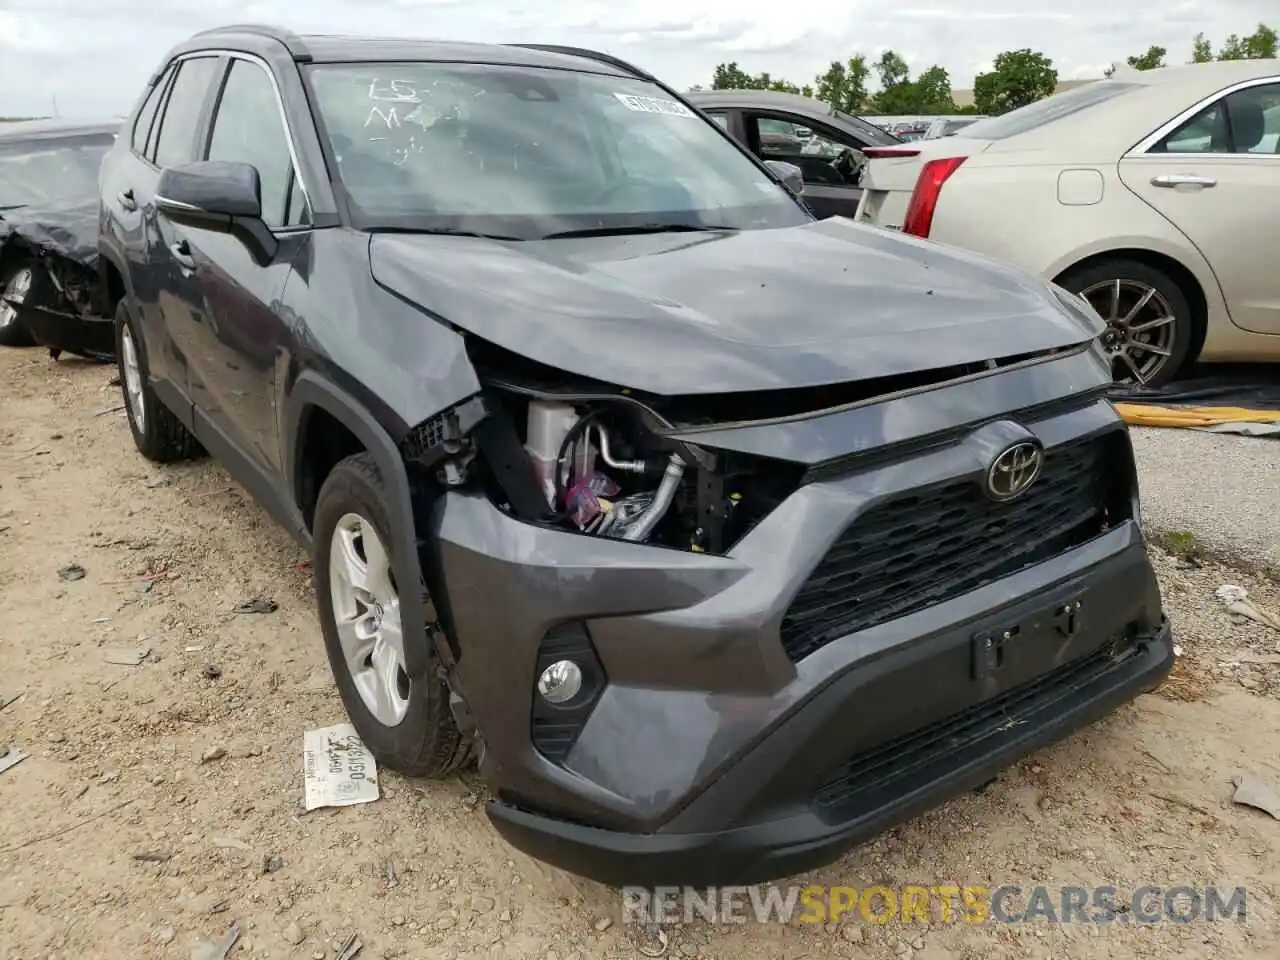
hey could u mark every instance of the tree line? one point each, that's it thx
(1016, 78)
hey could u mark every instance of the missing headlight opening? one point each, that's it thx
(600, 470)
(591, 459)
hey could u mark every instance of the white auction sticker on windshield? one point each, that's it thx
(338, 768)
(670, 108)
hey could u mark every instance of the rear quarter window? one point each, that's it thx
(1049, 110)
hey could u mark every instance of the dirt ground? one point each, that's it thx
(116, 840)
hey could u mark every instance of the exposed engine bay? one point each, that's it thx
(602, 471)
(595, 461)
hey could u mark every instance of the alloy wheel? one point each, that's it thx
(16, 290)
(366, 611)
(132, 378)
(1141, 327)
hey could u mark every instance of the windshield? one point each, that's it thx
(51, 173)
(525, 152)
(1052, 108)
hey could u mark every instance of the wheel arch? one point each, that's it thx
(313, 392)
(113, 280)
(1190, 284)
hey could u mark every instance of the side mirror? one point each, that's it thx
(221, 196)
(790, 175)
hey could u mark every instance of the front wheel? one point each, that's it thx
(1150, 330)
(406, 723)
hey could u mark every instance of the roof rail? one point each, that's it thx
(587, 55)
(290, 40)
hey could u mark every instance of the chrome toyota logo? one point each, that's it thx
(1014, 470)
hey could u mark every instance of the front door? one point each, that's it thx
(234, 320)
(830, 163)
(1216, 177)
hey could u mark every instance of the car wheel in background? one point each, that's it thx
(1150, 330)
(407, 725)
(158, 434)
(17, 282)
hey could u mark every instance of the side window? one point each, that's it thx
(177, 140)
(1254, 115)
(821, 157)
(1247, 121)
(147, 115)
(247, 128)
(721, 120)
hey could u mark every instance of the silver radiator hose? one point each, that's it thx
(661, 501)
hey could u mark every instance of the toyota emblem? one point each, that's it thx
(1014, 470)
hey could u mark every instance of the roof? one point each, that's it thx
(50, 128)
(345, 48)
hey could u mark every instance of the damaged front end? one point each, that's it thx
(585, 457)
(50, 286)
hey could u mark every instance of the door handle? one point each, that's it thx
(1181, 180)
(182, 253)
(127, 201)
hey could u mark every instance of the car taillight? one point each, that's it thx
(882, 153)
(924, 198)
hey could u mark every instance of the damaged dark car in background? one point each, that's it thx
(49, 290)
(720, 536)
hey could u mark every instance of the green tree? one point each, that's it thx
(844, 85)
(1153, 59)
(729, 76)
(1259, 45)
(897, 94)
(933, 92)
(1017, 78)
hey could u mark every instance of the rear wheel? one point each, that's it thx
(406, 723)
(16, 281)
(158, 434)
(1150, 331)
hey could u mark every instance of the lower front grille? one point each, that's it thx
(873, 777)
(912, 552)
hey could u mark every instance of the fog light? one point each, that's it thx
(560, 682)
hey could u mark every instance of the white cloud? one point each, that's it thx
(93, 57)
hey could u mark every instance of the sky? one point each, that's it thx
(92, 56)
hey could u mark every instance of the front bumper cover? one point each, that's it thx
(768, 850)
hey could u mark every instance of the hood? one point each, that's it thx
(822, 303)
(70, 231)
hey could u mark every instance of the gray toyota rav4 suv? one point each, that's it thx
(719, 536)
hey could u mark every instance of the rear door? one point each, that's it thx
(127, 189)
(236, 335)
(1215, 174)
(173, 142)
(829, 160)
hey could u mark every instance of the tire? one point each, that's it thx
(13, 332)
(157, 433)
(423, 740)
(1096, 280)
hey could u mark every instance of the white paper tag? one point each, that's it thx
(670, 108)
(339, 769)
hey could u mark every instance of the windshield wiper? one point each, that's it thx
(637, 228)
(12, 206)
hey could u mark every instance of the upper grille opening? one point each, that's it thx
(936, 543)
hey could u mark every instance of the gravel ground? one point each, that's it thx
(1224, 489)
(161, 802)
